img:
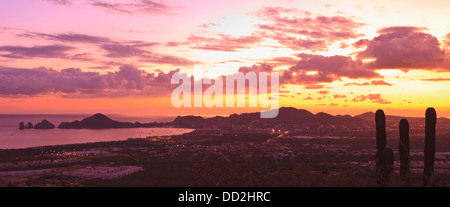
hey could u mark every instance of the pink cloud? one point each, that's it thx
(257, 68)
(313, 86)
(208, 25)
(298, 32)
(124, 51)
(375, 98)
(114, 49)
(60, 2)
(404, 48)
(284, 60)
(436, 79)
(127, 81)
(224, 42)
(47, 51)
(380, 83)
(372, 83)
(361, 43)
(328, 68)
(339, 96)
(343, 45)
(138, 6)
(68, 37)
(172, 44)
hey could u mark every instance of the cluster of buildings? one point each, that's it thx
(26, 172)
(355, 152)
(88, 152)
(24, 164)
(103, 172)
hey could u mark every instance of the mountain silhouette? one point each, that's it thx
(100, 121)
(389, 118)
(287, 116)
(44, 124)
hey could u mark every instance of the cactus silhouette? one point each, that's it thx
(387, 166)
(403, 149)
(380, 121)
(430, 146)
(380, 124)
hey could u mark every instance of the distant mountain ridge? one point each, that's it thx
(287, 117)
(391, 118)
(292, 117)
(100, 121)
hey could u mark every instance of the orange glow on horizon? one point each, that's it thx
(68, 65)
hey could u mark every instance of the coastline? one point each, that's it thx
(12, 138)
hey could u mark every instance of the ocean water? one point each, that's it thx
(13, 138)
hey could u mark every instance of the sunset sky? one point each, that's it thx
(118, 56)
